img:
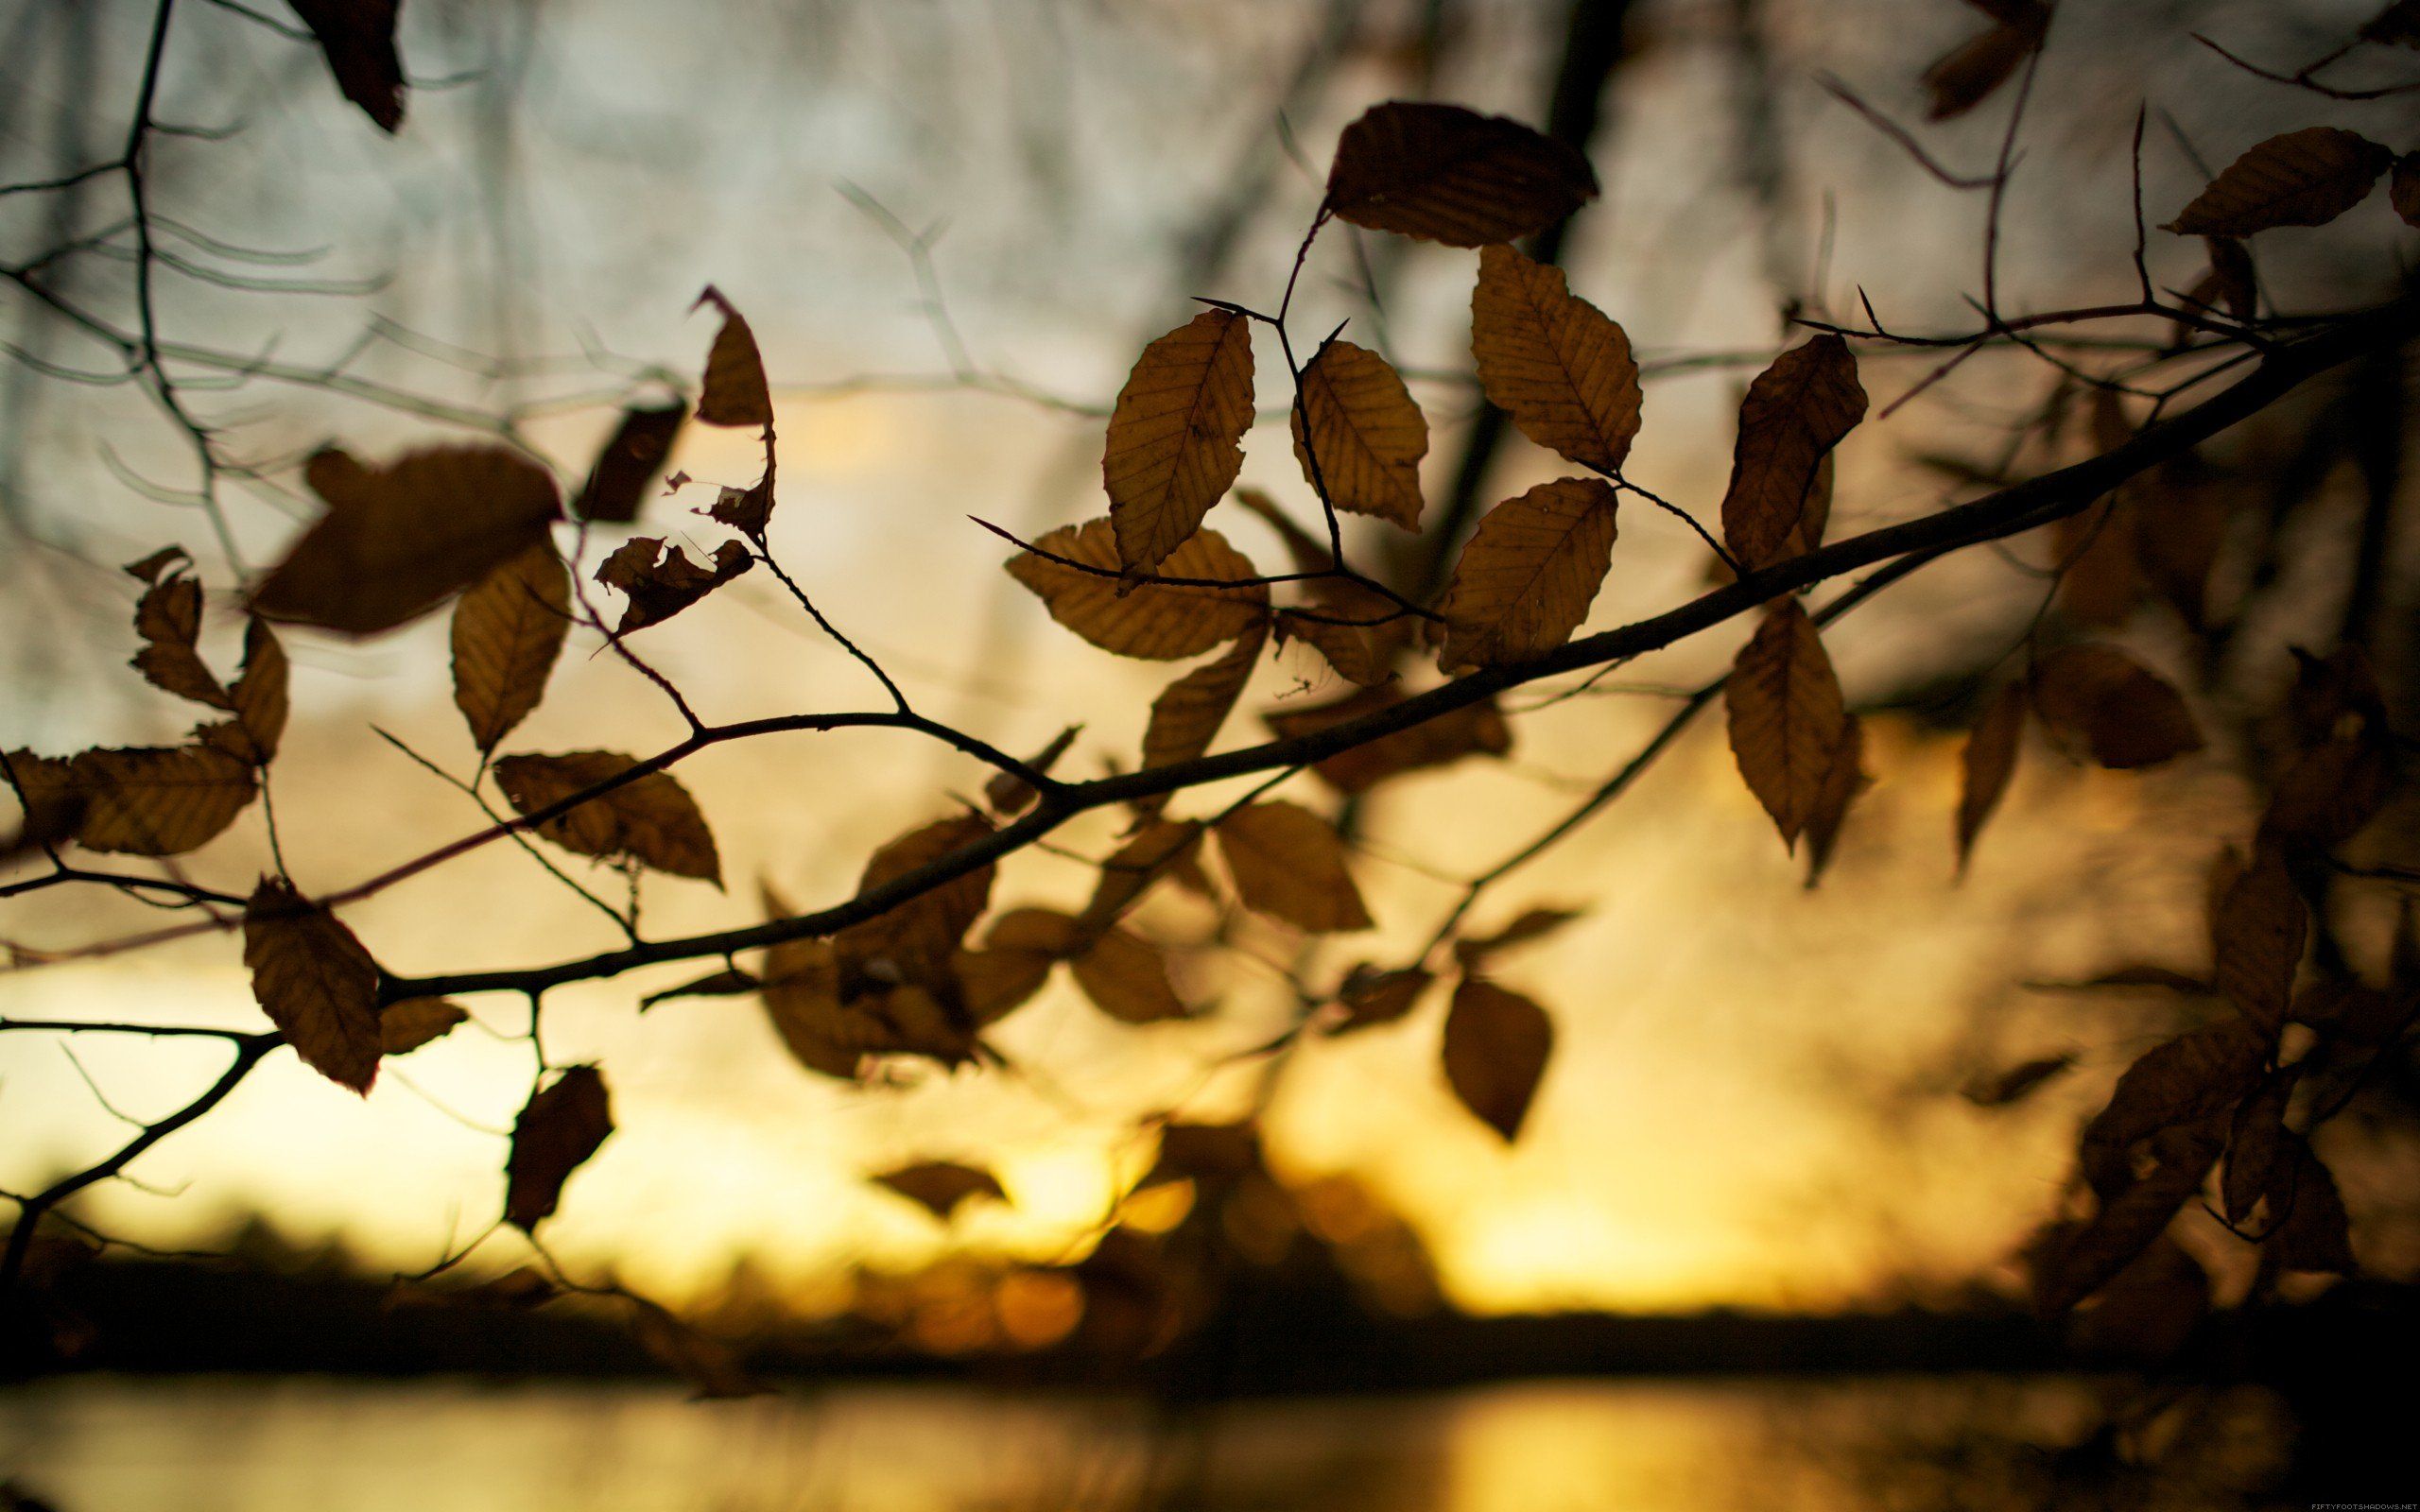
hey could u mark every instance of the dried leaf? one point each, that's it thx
(1127, 978)
(399, 539)
(1987, 763)
(1965, 76)
(1842, 781)
(2255, 1144)
(734, 392)
(2183, 1081)
(1528, 574)
(1496, 1050)
(2330, 793)
(1555, 363)
(1787, 716)
(1444, 174)
(1175, 438)
(1155, 621)
(1358, 420)
(2126, 717)
(629, 463)
(149, 570)
(1473, 730)
(2312, 1229)
(940, 1186)
(651, 820)
(259, 697)
(1357, 631)
(405, 1027)
(1208, 1155)
(168, 618)
(660, 580)
(1185, 717)
(508, 630)
(147, 800)
(559, 1129)
(2256, 941)
(1289, 864)
(2128, 1221)
(1155, 850)
(2306, 178)
(1796, 411)
(358, 38)
(317, 984)
(1371, 997)
(1010, 794)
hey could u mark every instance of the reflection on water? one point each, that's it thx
(200, 1445)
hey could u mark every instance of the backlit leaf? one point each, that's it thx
(149, 800)
(2129, 1219)
(405, 1027)
(317, 984)
(660, 580)
(1473, 730)
(358, 37)
(1371, 997)
(1155, 850)
(734, 392)
(1289, 864)
(1358, 420)
(1175, 438)
(1477, 951)
(1528, 574)
(628, 462)
(1987, 763)
(918, 938)
(399, 539)
(508, 630)
(1155, 621)
(1965, 76)
(2257, 939)
(2183, 1081)
(1444, 174)
(1185, 717)
(558, 1130)
(1796, 411)
(941, 1186)
(1787, 716)
(2098, 698)
(2257, 1141)
(1843, 780)
(2306, 178)
(651, 820)
(169, 620)
(1553, 362)
(1495, 1049)
(259, 697)
(1127, 978)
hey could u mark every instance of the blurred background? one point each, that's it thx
(952, 224)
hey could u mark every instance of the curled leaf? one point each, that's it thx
(660, 580)
(1444, 174)
(628, 462)
(358, 38)
(735, 391)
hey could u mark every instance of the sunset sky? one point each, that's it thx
(1753, 1099)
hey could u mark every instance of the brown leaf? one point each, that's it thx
(1357, 631)
(1289, 864)
(1185, 717)
(734, 392)
(1010, 794)
(940, 1186)
(399, 539)
(559, 1129)
(1553, 362)
(1842, 781)
(2256, 1142)
(317, 984)
(2099, 697)
(1786, 716)
(1371, 997)
(405, 1027)
(1528, 574)
(168, 618)
(259, 698)
(660, 580)
(1358, 420)
(1175, 438)
(1796, 411)
(832, 1033)
(1496, 1050)
(1127, 978)
(2236, 282)
(2399, 25)
(149, 800)
(1987, 763)
(358, 38)
(2185, 1080)
(1475, 953)
(1473, 730)
(1155, 621)
(629, 463)
(2306, 178)
(508, 630)
(652, 820)
(2101, 571)
(1965, 76)
(1155, 850)
(2129, 1219)
(2311, 1227)
(2256, 940)
(1444, 174)
(2019, 1082)
(2330, 793)
(915, 941)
